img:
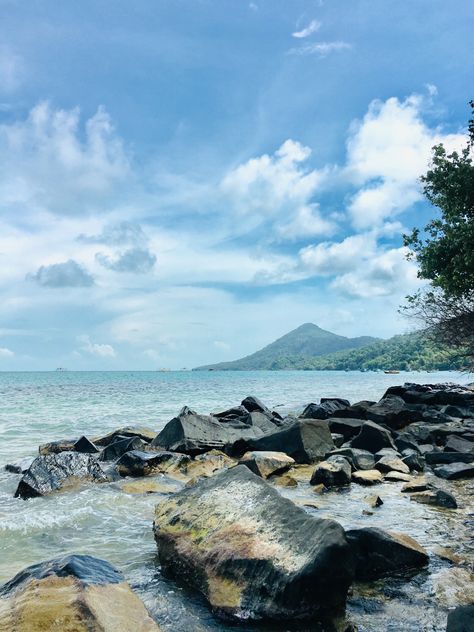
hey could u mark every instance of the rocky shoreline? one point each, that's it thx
(226, 528)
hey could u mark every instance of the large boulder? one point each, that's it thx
(393, 412)
(373, 438)
(359, 459)
(146, 434)
(461, 619)
(346, 426)
(55, 471)
(435, 497)
(75, 593)
(119, 446)
(252, 553)
(392, 464)
(459, 444)
(253, 404)
(380, 553)
(335, 472)
(454, 471)
(265, 464)
(305, 440)
(325, 409)
(367, 477)
(434, 394)
(354, 411)
(193, 434)
(438, 458)
(139, 463)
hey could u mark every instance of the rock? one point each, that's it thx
(347, 427)
(389, 464)
(120, 446)
(334, 472)
(359, 459)
(445, 553)
(381, 553)
(434, 394)
(386, 452)
(374, 501)
(252, 553)
(75, 593)
(55, 447)
(403, 443)
(437, 458)
(413, 460)
(355, 411)
(283, 480)
(209, 463)
(397, 477)
(458, 444)
(20, 467)
(265, 464)
(393, 412)
(325, 409)
(193, 434)
(435, 497)
(373, 438)
(417, 485)
(367, 477)
(145, 434)
(302, 473)
(253, 404)
(85, 446)
(147, 486)
(138, 463)
(366, 512)
(51, 472)
(338, 439)
(305, 440)
(454, 471)
(461, 619)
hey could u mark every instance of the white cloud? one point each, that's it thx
(101, 350)
(6, 353)
(223, 346)
(332, 258)
(387, 152)
(322, 49)
(60, 275)
(312, 27)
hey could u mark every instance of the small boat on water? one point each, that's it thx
(391, 372)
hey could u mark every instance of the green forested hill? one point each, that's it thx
(403, 353)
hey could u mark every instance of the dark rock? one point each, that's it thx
(436, 458)
(145, 434)
(458, 444)
(434, 394)
(325, 409)
(139, 463)
(305, 440)
(20, 467)
(417, 485)
(347, 427)
(338, 439)
(265, 464)
(390, 452)
(55, 447)
(359, 459)
(355, 411)
(336, 401)
(373, 438)
(253, 404)
(54, 471)
(252, 553)
(390, 464)
(237, 412)
(381, 553)
(404, 443)
(428, 448)
(334, 472)
(374, 501)
(454, 471)
(414, 460)
(75, 593)
(84, 446)
(120, 446)
(393, 412)
(435, 497)
(461, 619)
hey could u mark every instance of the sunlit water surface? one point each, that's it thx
(104, 521)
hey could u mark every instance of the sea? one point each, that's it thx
(103, 520)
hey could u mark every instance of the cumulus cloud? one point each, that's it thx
(94, 348)
(136, 260)
(387, 152)
(332, 258)
(117, 234)
(66, 274)
(322, 49)
(279, 188)
(6, 353)
(312, 27)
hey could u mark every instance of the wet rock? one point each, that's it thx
(207, 464)
(138, 463)
(413, 460)
(85, 446)
(461, 619)
(75, 593)
(347, 427)
(55, 447)
(325, 409)
(435, 497)
(52, 472)
(265, 464)
(417, 485)
(446, 553)
(381, 553)
(373, 438)
(253, 404)
(397, 477)
(458, 444)
(367, 477)
(393, 412)
(145, 434)
(283, 480)
(359, 459)
(454, 471)
(374, 501)
(436, 458)
(120, 446)
(389, 464)
(147, 486)
(193, 434)
(252, 553)
(334, 472)
(338, 439)
(305, 440)
(19, 467)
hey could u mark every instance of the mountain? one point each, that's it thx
(306, 342)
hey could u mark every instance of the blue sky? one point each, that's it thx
(181, 182)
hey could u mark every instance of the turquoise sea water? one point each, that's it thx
(102, 520)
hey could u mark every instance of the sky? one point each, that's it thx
(183, 181)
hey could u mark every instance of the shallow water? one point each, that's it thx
(104, 521)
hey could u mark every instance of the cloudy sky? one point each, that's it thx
(183, 181)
